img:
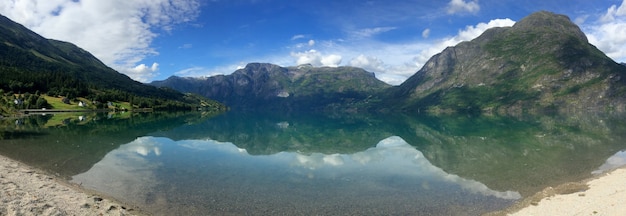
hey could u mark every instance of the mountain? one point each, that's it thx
(543, 62)
(32, 63)
(268, 86)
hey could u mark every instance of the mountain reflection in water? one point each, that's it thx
(134, 171)
(270, 163)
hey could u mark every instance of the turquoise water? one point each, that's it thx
(303, 164)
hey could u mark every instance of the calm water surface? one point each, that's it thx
(269, 164)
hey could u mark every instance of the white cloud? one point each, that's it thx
(331, 60)
(192, 72)
(142, 71)
(609, 32)
(307, 57)
(461, 6)
(391, 74)
(118, 32)
(369, 32)
(391, 79)
(316, 58)
(393, 63)
(308, 44)
(426, 33)
(467, 34)
(614, 13)
(369, 63)
(296, 37)
(207, 72)
(581, 19)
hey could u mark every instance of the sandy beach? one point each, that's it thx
(604, 195)
(28, 191)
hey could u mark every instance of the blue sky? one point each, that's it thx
(154, 39)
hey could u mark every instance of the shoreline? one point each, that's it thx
(604, 194)
(25, 190)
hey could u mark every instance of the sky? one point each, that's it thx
(154, 39)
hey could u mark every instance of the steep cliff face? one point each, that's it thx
(542, 62)
(255, 82)
(267, 86)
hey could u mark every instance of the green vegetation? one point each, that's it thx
(543, 63)
(58, 141)
(264, 86)
(342, 79)
(32, 66)
(10, 102)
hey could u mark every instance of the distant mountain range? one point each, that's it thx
(271, 87)
(542, 63)
(30, 63)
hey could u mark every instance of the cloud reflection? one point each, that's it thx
(613, 162)
(317, 160)
(143, 146)
(206, 145)
(394, 155)
(125, 172)
(129, 171)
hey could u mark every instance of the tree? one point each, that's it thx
(41, 103)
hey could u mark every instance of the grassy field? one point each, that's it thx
(57, 103)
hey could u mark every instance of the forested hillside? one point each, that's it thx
(32, 64)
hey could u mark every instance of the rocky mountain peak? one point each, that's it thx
(544, 61)
(548, 21)
(259, 68)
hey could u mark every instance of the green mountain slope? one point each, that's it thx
(31, 63)
(544, 62)
(267, 86)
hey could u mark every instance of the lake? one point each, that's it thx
(306, 164)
